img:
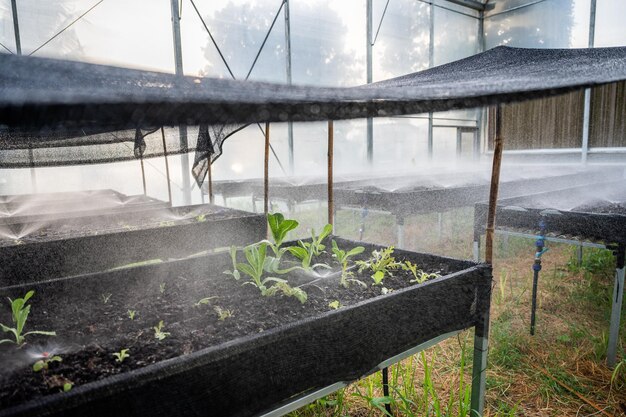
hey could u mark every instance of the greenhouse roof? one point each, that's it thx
(46, 93)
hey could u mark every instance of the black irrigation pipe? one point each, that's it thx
(385, 372)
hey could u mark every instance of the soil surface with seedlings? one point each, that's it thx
(91, 317)
(110, 223)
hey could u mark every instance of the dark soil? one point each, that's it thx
(110, 223)
(89, 330)
(602, 207)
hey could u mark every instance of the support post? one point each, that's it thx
(331, 202)
(587, 100)
(495, 182)
(143, 176)
(431, 63)
(368, 46)
(479, 369)
(167, 167)
(289, 81)
(210, 180)
(400, 231)
(16, 28)
(182, 129)
(266, 171)
(616, 307)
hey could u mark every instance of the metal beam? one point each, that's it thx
(16, 28)
(182, 130)
(368, 51)
(472, 4)
(289, 81)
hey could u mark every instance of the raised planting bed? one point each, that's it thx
(70, 205)
(406, 196)
(58, 196)
(39, 251)
(265, 349)
(596, 213)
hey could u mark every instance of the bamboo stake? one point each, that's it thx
(143, 176)
(167, 167)
(495, 182)
(210, 180)
(331, 202)
(266, 180)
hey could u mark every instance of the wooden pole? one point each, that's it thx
(210, 180)
(167, 167)
(266, 180)
(143, 176)
(495, 182)
(330, 172)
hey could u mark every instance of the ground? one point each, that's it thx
(560, 371)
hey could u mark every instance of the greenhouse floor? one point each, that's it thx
(560, 371)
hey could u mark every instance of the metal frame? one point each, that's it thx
(478, 377)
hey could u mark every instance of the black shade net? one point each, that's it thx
(44, 103)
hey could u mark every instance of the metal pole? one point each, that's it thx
(368, 50)
(289, 81)
(266, 172)
(167, 167)
(16, 28)
(182, 129)
(330, 172)
(479, 368)
(143, 176)
(210, 180)
(616, 308)
(431, 63)
(385, 375)
(495, 182)
(587, 103)
(400, 231)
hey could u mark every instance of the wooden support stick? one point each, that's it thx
(330, 172)
(167, 167)
(266, 180)
(495, 182)
(143, 176)
(210, 180)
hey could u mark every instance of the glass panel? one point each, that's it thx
(400, 143)
(456, 36)
(610, 28)
(403, 40)
(550, 24)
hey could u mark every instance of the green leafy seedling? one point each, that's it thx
(201, 218)
(222, 313)
(162, 287)
(233, 256)
(419, 275)
(158, 331)
(343, 257)
(68, 386)
(131, 314)
(123, 354)
(203, 301)
(44, 363)
(106, 298)
(335, 305)
(381, 264)
(19, 313)
(279, 227)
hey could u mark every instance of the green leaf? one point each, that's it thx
(378, 277)
(67, 386)
(325, 232)
(355, 251)
(40, 332)
(39, 365)
(298, 252)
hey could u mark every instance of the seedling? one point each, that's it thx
(419, 275)
(233, 256)
(123, 354)
(131, 314)
(342, 256)
(279, 227)
(201, 218)
(44, 363)
(67, 386)
(334, 304)
(19, 312)
(158, 331)
(307, 251)
(222, 313)
(162, 287)
(203, 301)
(381, 264)
(106, 297)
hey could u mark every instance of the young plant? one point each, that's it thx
(342, 257)
(122, 354)
(162, 287)
(44, 363)
(222, 313)
(233, 256)
(279, 227)
(201, 218)
(335, 305)
(68, 386)
(158, 331)
(203, 301)
(19, 313)
(381, 264)
(419, 275)
(131, 314)
(106, 298)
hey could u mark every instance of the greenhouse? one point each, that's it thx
(312, 208)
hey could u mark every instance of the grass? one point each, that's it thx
(526, 374)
